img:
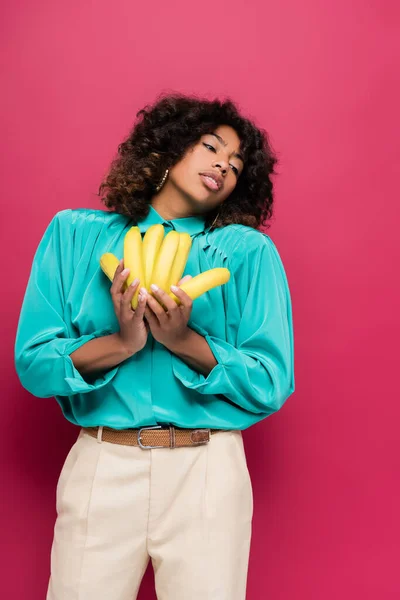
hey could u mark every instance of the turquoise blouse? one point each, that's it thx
(247, 322)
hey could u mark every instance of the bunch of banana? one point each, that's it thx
(161, 259)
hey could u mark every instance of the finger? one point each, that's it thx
(150, 317)
(118, 269)
(116, 287)
(163, 297)
(120, 276)
(142, 302)
(157, 311)
(126, 298)
(184, 298)
(186, 278)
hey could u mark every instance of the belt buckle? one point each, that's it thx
(208, 430)
(148, 447)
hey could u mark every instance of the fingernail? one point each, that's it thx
(134, 282)
(154, 287)
(143, 291)
(125, 271)
(174, 288)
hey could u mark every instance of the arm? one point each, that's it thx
(255, 367)
(100, 354)
(44, 341)
(196, 352)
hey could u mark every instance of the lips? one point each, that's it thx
(212, 179)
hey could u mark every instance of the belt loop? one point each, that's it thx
(172, 443)
(99, 434)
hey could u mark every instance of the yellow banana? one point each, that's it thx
(179, 264)
(203, 282)
(164, 261)
(133, 260)
(152, 241)
(109, 263)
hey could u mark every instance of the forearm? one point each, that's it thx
(100, 354)
(195, 351)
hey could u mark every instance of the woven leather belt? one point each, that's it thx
(157, 436)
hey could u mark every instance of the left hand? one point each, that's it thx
(168, 326)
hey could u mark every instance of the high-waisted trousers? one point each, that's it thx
(188, 509)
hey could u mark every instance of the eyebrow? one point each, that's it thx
(219, 138)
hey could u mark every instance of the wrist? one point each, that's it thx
(183, 340)
(127, 350)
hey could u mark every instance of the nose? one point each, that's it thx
(222, 165)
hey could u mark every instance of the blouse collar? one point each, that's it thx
(191, 225)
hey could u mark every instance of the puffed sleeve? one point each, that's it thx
(255, 369)
(44, 340)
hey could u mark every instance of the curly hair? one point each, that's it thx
(159, 139)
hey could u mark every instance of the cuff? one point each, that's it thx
(73, 378)
(193, 379)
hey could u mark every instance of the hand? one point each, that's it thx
(133, 329)
(168, 326)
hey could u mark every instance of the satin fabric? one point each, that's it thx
(247, 323)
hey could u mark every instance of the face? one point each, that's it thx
(217, 156)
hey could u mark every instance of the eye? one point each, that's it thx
(212, 148)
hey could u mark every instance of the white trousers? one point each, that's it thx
(188, 509)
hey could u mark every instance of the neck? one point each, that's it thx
(171, 204)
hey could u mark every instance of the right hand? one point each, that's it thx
(133, 328)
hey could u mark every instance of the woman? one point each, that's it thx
(193, 376)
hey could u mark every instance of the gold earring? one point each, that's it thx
(159, 186)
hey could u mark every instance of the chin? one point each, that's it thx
(198, 198)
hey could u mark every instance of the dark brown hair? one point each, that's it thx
(159, 139)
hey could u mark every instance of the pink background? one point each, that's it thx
(321, 78)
